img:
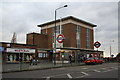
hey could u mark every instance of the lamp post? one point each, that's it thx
(54, 48)
(110, 47)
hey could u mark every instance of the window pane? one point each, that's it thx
(78, 36)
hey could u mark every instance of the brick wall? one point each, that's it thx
(40, 40)
(69, 31)
(91, 39)
(83, 37)
(49, 33)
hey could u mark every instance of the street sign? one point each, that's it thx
(97, 44)
(60, 38)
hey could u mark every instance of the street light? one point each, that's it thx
(110, 47)
(54, 48)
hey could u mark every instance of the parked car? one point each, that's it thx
(93, 61)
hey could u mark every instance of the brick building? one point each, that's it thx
(79, 38)
(72, 28)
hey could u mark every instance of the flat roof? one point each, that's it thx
(17, 43)
(66, 18)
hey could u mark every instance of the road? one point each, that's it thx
(105, 70)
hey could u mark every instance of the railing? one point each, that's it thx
(22, 66)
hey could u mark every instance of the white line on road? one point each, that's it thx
(48, 78)
(106, 70)
(84, 68)
(96, 71)
(80, 77)
(85, 73)
(103, 68)
(69, 76)
(114, 67)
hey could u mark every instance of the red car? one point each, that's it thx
(93, 61)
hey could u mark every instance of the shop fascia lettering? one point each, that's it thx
(20, 50)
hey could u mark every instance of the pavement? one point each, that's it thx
(42, 65)
(13, 67)
(104, 71)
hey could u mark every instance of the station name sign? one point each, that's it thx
(20, 50)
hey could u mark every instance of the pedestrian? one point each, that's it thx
(84, 58)
(31, 58)
(20, 59)
(70, 59)
(34, 61)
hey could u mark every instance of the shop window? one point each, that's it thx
(78, 36)
(11, 57)
(42, 55)
(58, 29)
(26, 57)
(87, 38)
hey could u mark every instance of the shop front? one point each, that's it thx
(91, 53)
(77, 55)
(42, 55)
(62, 55)
(14, 55)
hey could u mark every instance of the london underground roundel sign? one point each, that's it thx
(60, 38)
(97, 44)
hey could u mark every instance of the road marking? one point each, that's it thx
(107, 71)
(69, 76)
(113, 67)
(9, 69)
(80, 77)
(96, 71)
(84, 68)
(48, 78)
(103, 68)
(84, 73)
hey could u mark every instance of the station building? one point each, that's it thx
(78, 42)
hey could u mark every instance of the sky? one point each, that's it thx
(23, 16)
